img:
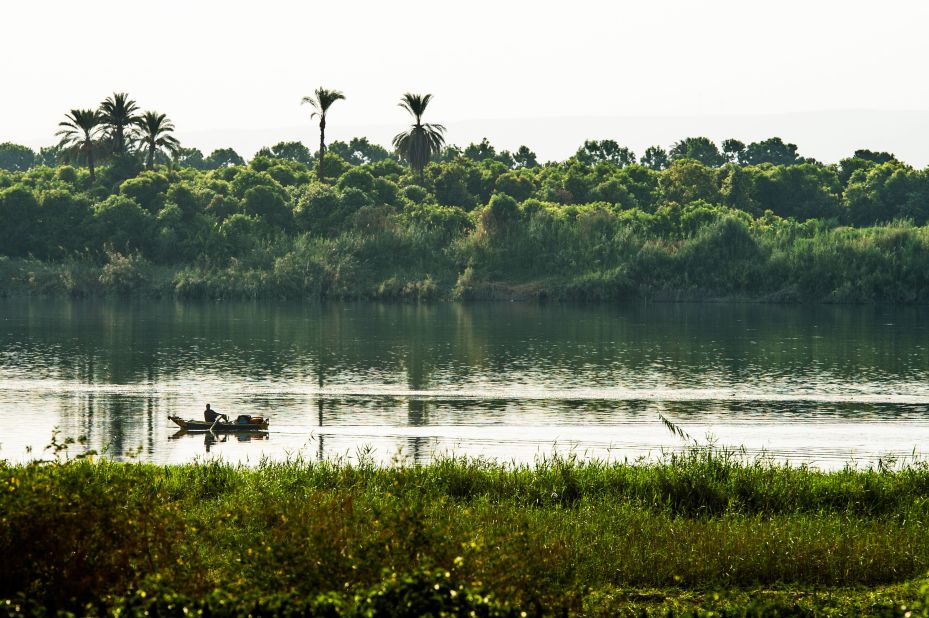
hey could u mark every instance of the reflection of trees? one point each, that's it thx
(79, 417)
(417, 415)
(128, 343)
(115, 423)
(430, 346)
(418, 447)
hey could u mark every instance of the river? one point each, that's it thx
(826, 386)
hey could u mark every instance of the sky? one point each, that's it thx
(827, 75)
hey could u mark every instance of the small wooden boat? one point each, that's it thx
(242, 423)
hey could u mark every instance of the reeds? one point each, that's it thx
(541, 537)
(567, 253)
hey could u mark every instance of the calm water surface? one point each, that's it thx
(819, 385)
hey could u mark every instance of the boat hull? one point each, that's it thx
(194, 425)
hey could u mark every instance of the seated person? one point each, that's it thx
(210, 415)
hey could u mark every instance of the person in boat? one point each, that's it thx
(210, 415)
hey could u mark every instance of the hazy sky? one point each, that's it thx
(233, 72)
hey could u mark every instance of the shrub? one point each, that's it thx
(124, 274)
(148, 190)
(121, 223)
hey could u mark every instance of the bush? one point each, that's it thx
(417, 194)
(124, 274)
(357, 178)
(241, 233)
(121, 223)
(318, 209)
(269, 205)
(501, 213)
(19, 216)
(148, 190)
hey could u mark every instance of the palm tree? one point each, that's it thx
(154, 135)
(321, 100)
(78, 133)
(119, 113)
(422, 141)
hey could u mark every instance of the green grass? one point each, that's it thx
(704, 530)
(726, 259)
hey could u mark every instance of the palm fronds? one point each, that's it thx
(118, 114)
(154, 135)
(422, 141)
(321, 101)
(79, 133)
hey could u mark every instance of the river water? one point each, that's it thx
(825, 385)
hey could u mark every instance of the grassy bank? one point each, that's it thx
(729, 258)
(700, 531)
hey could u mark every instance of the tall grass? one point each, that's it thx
(592, 255)
(552, 538)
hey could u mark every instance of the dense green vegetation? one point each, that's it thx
(705, 529)
(143, 214)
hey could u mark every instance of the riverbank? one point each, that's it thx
(704, 530)
(471, 229)
(725, 261)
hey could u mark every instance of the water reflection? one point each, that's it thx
(501, 380)
(210, 439)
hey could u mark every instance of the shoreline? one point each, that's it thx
(24, 278)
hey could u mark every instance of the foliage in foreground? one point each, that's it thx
(456, 536)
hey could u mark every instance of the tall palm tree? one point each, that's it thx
(154, 136)
(119, 114)
(321, 101)
(422, 141)
(78, 134)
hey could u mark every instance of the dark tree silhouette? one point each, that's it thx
(118, 114)
(154, 136)
(422, 141)
(78, 136)
(321, 101)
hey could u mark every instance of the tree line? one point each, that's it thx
(354, 218)
(117, 130)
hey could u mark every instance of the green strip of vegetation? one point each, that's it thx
(701, 531)
(592, 255)
(144, 216)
